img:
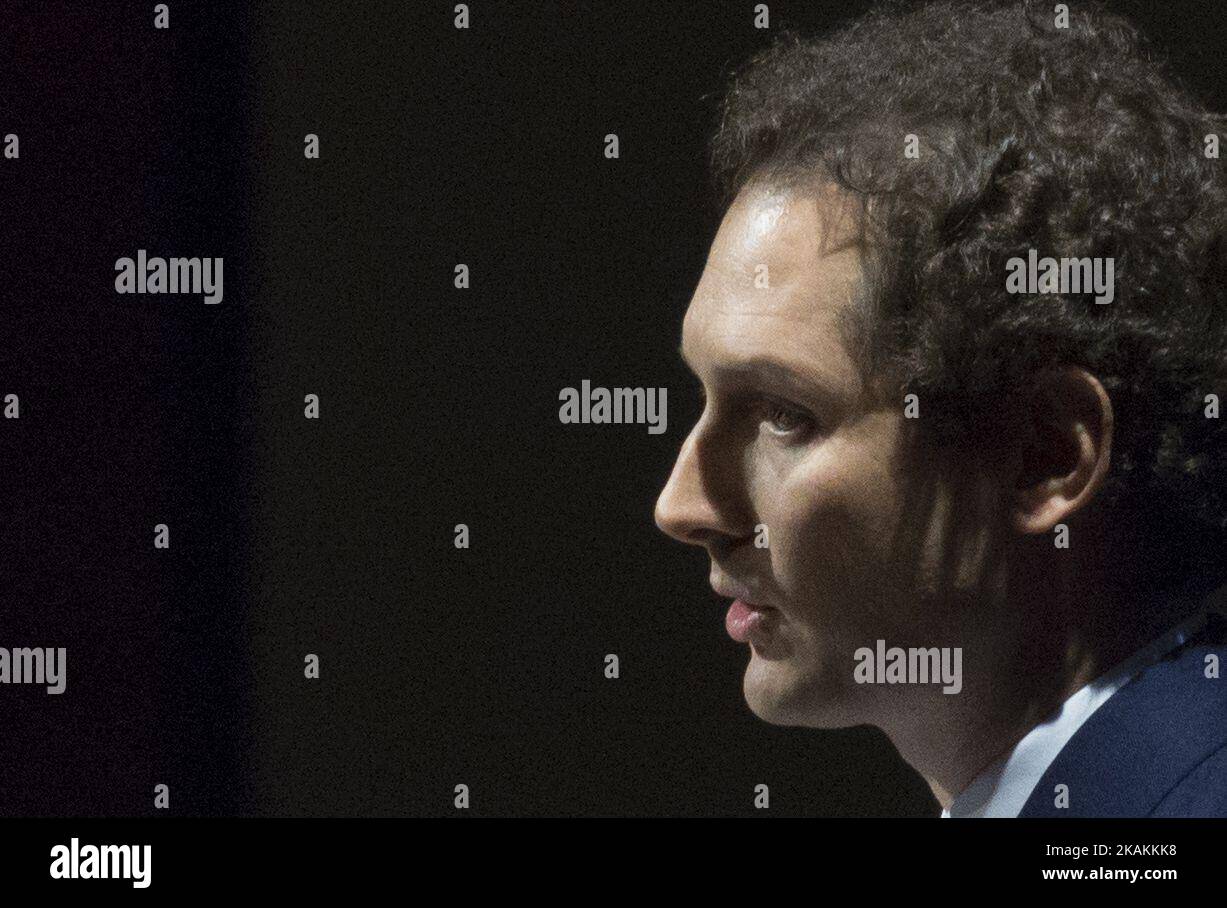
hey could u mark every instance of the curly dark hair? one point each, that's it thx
(1072, 141)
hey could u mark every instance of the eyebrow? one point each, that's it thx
(766, 368)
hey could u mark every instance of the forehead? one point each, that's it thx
(781, 271)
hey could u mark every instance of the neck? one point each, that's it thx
(978, 743)
(1017, 674)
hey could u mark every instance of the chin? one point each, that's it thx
(778, 693)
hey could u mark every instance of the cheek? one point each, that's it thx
(832, 519)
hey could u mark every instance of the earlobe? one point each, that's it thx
(1066, 463)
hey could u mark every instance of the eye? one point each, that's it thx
(787, 421)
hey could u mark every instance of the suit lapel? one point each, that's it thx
(1139, 744)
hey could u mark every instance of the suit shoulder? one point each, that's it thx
(1202, 793)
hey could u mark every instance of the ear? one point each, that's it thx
(1066, 449)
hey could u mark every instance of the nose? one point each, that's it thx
(693, 505)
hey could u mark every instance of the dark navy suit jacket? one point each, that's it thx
(1156, 748)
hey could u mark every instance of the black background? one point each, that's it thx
(439, 406)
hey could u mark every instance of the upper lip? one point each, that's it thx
(732, 589)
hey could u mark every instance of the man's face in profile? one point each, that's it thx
(788, 441)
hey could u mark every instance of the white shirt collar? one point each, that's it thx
(1003, 788)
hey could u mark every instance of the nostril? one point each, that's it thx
(706, 537)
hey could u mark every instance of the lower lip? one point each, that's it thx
(744, 621)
